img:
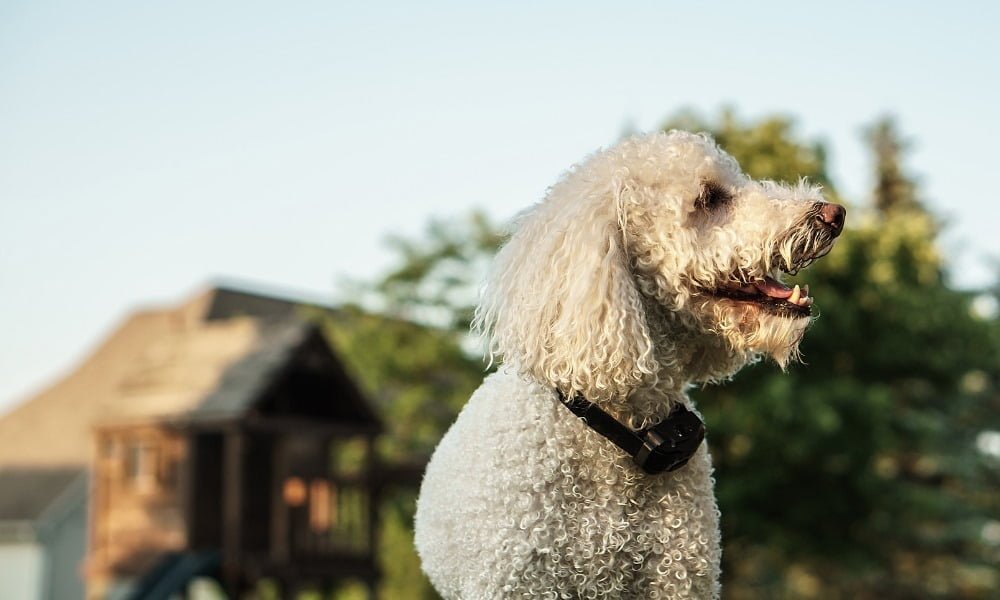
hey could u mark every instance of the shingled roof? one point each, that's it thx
(206, 358)
(35, 488)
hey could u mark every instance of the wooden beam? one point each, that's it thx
(310, 426)
(232, 513)
(333, 564)
(279, 511)
(372, 491)
(400, 474)
(189, 487)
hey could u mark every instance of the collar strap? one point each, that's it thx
(666, 446)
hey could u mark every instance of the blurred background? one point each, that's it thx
(241, 244)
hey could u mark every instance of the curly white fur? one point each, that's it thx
(605, 290)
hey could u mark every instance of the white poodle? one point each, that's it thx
(651, 266)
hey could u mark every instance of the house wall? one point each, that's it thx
(137, 507)
(21, 569)
(65, 544)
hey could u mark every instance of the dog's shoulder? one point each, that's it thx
(506, 402)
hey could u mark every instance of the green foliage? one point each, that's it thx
(766, 149)
(856, 474)
(400, 565)
(436, 279)
(418, 376)
(409, 358)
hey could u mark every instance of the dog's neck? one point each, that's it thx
(647, 406)
(686, 353)
(686, 356)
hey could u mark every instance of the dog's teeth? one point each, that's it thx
(807, 302)
(794, 298)
(805, 290)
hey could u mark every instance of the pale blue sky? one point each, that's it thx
(146, 148)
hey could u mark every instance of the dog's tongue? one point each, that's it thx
(772, 287)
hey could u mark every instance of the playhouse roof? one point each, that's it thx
(211, 357)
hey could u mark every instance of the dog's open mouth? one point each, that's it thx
(771, 295)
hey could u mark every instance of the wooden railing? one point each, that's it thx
(329, 518)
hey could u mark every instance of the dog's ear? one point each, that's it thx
(561, 304)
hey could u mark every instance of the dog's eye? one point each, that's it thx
(713, 196)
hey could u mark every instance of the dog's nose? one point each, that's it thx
(832, 217)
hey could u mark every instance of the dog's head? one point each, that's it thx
(656, 258)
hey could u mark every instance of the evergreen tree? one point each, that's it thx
(894, 189)
(410, 357)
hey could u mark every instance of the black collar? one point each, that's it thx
(666, 446)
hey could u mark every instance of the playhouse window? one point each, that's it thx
(140, 465)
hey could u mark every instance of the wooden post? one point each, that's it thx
(372, 486)
(232, 513)
(189, 487)
(279, 510)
